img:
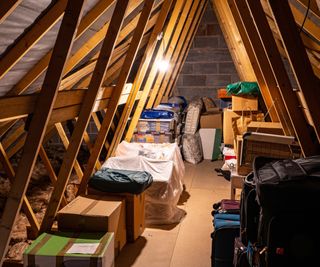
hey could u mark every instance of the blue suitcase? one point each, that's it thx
(226, 229)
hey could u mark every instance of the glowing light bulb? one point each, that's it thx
(163, 65)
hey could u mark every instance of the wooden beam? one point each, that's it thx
(142, 71)
(29, 38)
(39, 121)
(268, 86)
(273, 63)
(114, 101)
(189, 11)
(233, 41)
(7, 7)
(298, 58)
(170, 79)
(120, 50)
(313, 6)
(25, 204)
(42, 64)
(158, 91)
(85, 113)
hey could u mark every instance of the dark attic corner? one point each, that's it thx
(159, 133)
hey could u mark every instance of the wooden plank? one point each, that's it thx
(116, 94)
(233, 41)
(119, 52)
(289, 97)
(170, 38)
(39, 121)
(142, 71)
(313, 6)
(51, 173)
(25, 205)
(271, 93)
(170, 79)
(42, 64)
(189, 10)
(298, 58)
(85, 113)
(7, 7)
(29, 38)
(158, 91)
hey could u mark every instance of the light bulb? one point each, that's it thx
(163, 65)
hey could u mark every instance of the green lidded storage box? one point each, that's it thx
(71, 250)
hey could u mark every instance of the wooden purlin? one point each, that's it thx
(7, 7)
(259, 61)
(233, 41)
(308, 83)
(158, 90)
(85, 113)
(42, 64)
(113, 103)
(31, 37)
(181, 54)
(274, 64)
(39, 121)
(188, 11)
(144, 65)
(25, 205)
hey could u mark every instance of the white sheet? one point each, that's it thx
(165, 164)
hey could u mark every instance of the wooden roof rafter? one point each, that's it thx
(39, 121)
(7, 7)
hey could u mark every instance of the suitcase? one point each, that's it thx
(227, 206)
(249, 212)
(226, 229)
(287, 192)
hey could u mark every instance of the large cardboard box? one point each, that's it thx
(265, 127)
(135, 212)
(95, 214)
(246, 103)
(211, 120)
(71, 250)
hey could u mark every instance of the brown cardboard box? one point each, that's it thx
(265, 127)
(244, 103)
(211, 120)
(95, 214)
(135, 221)
(228, 114)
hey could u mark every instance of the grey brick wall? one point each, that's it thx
(209, 65)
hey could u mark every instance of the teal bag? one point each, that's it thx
(243, 88)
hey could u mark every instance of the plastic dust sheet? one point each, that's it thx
(165, 164)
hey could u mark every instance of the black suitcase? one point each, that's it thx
(226, 229)
(249, 211)
(287, 191)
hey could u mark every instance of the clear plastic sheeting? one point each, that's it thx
(192, 148)
(165, 164)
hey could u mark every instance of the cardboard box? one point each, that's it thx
(265, 127)
(211, 120)
(246, 103)
(135, 213)
(71, 250)
(228, 114)
(95, 214)
(211, 141)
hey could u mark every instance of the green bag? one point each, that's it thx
(243, 88)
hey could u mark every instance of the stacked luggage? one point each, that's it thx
(278, 203)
